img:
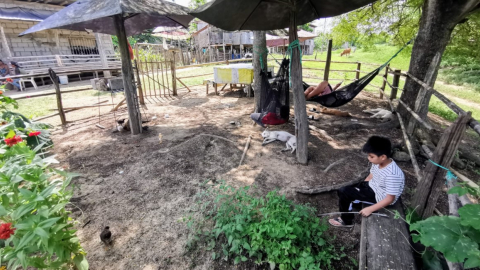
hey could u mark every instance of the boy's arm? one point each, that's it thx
(369, 177)
(367, 211)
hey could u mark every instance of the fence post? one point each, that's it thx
(385, 78)
(357, 75)
(59, 60)
(54, 79)
(329, 60)
(139, 83)
(174, 76)
(137, 67)
(395, 83)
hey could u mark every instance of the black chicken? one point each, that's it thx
(106, 236)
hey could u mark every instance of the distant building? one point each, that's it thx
(279, 44)
(214, 44)
(16, 16)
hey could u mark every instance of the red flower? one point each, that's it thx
(6, 231)
(34, 133)
(13, 141)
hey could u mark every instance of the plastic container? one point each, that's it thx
(63, 79)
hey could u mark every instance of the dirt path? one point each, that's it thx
(142, 186)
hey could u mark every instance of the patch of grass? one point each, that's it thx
(40, 106)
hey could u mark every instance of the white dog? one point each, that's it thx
(271, 136)
(383, 114)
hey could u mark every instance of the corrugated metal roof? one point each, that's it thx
(51, 2)
(24, 14)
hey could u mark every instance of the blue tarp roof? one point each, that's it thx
(24, 14)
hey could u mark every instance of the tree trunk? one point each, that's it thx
(301, 121)
(259, 47)
(439, 18)
(128, 78)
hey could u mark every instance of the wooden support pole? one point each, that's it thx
(139, 81)
(174, 80)
(329, 60)
(357, 75)
(61, 112)
(395, 83)
(385, 79)
(428, 190)
(128, 78)
(301, 120)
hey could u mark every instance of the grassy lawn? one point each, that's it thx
(40, 106)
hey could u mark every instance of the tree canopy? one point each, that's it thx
(396, 22)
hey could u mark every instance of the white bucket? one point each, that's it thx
(63, 79)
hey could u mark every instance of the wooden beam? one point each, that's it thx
(128, 77)
(56, 83)
(329, 59)
(301, 121)
(395, 83)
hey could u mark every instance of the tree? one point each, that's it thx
(306, 27)
(193, 5)
(438, 20)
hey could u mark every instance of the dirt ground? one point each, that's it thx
(141, 186)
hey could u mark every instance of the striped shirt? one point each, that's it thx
(389, 180)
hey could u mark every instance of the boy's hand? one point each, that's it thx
(367, 211)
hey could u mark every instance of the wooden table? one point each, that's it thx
(234, 74)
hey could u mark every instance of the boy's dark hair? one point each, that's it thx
(379, 146)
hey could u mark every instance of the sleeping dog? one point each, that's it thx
(384, 115)
(271, 136)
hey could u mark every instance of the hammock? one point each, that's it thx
(275, 106)
(345, 94)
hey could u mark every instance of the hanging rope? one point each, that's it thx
(450, 176)
(291, 46)
(261, 52)
(395, 55)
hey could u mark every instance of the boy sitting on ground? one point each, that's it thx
(381, 188)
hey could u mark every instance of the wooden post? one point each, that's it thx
(128, 78)
(259, 45)
(137, 68)
(384, 83)
(61, 112)
(329, 60)
(357, 75)
(429, 189)
(139, 83)
(224, 53)
(174, 76)
(301, 121)
(395, 83)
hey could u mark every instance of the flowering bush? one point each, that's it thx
(34, 223)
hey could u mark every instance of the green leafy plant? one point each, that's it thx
(269, 230)
(34, 223)
(457, 238)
